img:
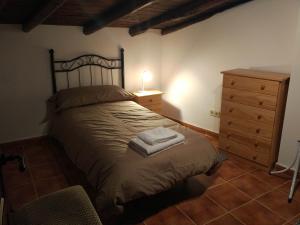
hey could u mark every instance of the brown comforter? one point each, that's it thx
(95, 138)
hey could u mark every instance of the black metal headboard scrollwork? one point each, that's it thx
(97, 68)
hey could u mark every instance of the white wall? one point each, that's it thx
(25, 73)
(291, 128)
(260, 34)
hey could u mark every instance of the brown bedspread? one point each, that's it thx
(95, 138)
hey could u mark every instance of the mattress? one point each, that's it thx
(96, 137)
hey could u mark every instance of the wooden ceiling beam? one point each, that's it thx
(116, 12)
(42, 14)
(203, 16)
(175, 13)
(2, 4)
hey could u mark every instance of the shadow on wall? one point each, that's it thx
(216, 105)
(170, 110)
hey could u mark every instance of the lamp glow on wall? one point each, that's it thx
(146, 77)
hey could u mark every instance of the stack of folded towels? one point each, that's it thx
(155, 140)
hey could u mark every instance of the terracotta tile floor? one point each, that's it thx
(239, 193)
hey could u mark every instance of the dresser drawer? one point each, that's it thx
(244, 151)
(249, 113)
(244, 127)
(147, 100)
(259, 145)
(253, 104)
(154, 107)
(250, 98)
(251, 84)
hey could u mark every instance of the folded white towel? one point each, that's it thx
(157, 135)
(137, 144)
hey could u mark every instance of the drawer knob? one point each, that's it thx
(231, 96)
(229, 123)
(256, 145)
(232, 83)
(228, 135)
(231, 110)
(259, 117)
(258, 131)
(261, 103)
(254, 157)
(150, 100)
(263, 87)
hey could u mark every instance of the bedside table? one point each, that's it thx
(150, 99)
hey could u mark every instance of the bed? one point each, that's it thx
(95, 136)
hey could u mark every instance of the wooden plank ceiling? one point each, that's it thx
(93, 15)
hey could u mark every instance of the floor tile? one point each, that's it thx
(286, 188)
(47, 170)
(243, 163)
(13, 166)
(15, 178)
(295, 220)
(226, 220)
(38, 155)
(273, 180)
(277, 201)
(250, 185)
(227, 196)
(201, 209)
(19, 197)
(34, 149)
(10, 166)
(15, 149)
(50, 185)
(216, 180)
(210, 181)
(229, 170)
(169, 216)
(254, 213)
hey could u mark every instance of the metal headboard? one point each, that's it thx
(65, 67)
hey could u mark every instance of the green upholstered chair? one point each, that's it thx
(70, 206)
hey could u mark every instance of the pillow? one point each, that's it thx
(81, 96)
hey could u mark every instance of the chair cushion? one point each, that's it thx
(66, 207)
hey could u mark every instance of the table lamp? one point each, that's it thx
(146, 77)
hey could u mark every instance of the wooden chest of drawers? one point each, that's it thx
(253, 105)
(150, 99)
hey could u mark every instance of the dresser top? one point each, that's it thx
(267, 75)
(147, 93)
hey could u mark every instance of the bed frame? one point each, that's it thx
(65, 67)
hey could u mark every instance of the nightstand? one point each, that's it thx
(150, 99)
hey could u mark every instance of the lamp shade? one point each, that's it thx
(146, 76)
